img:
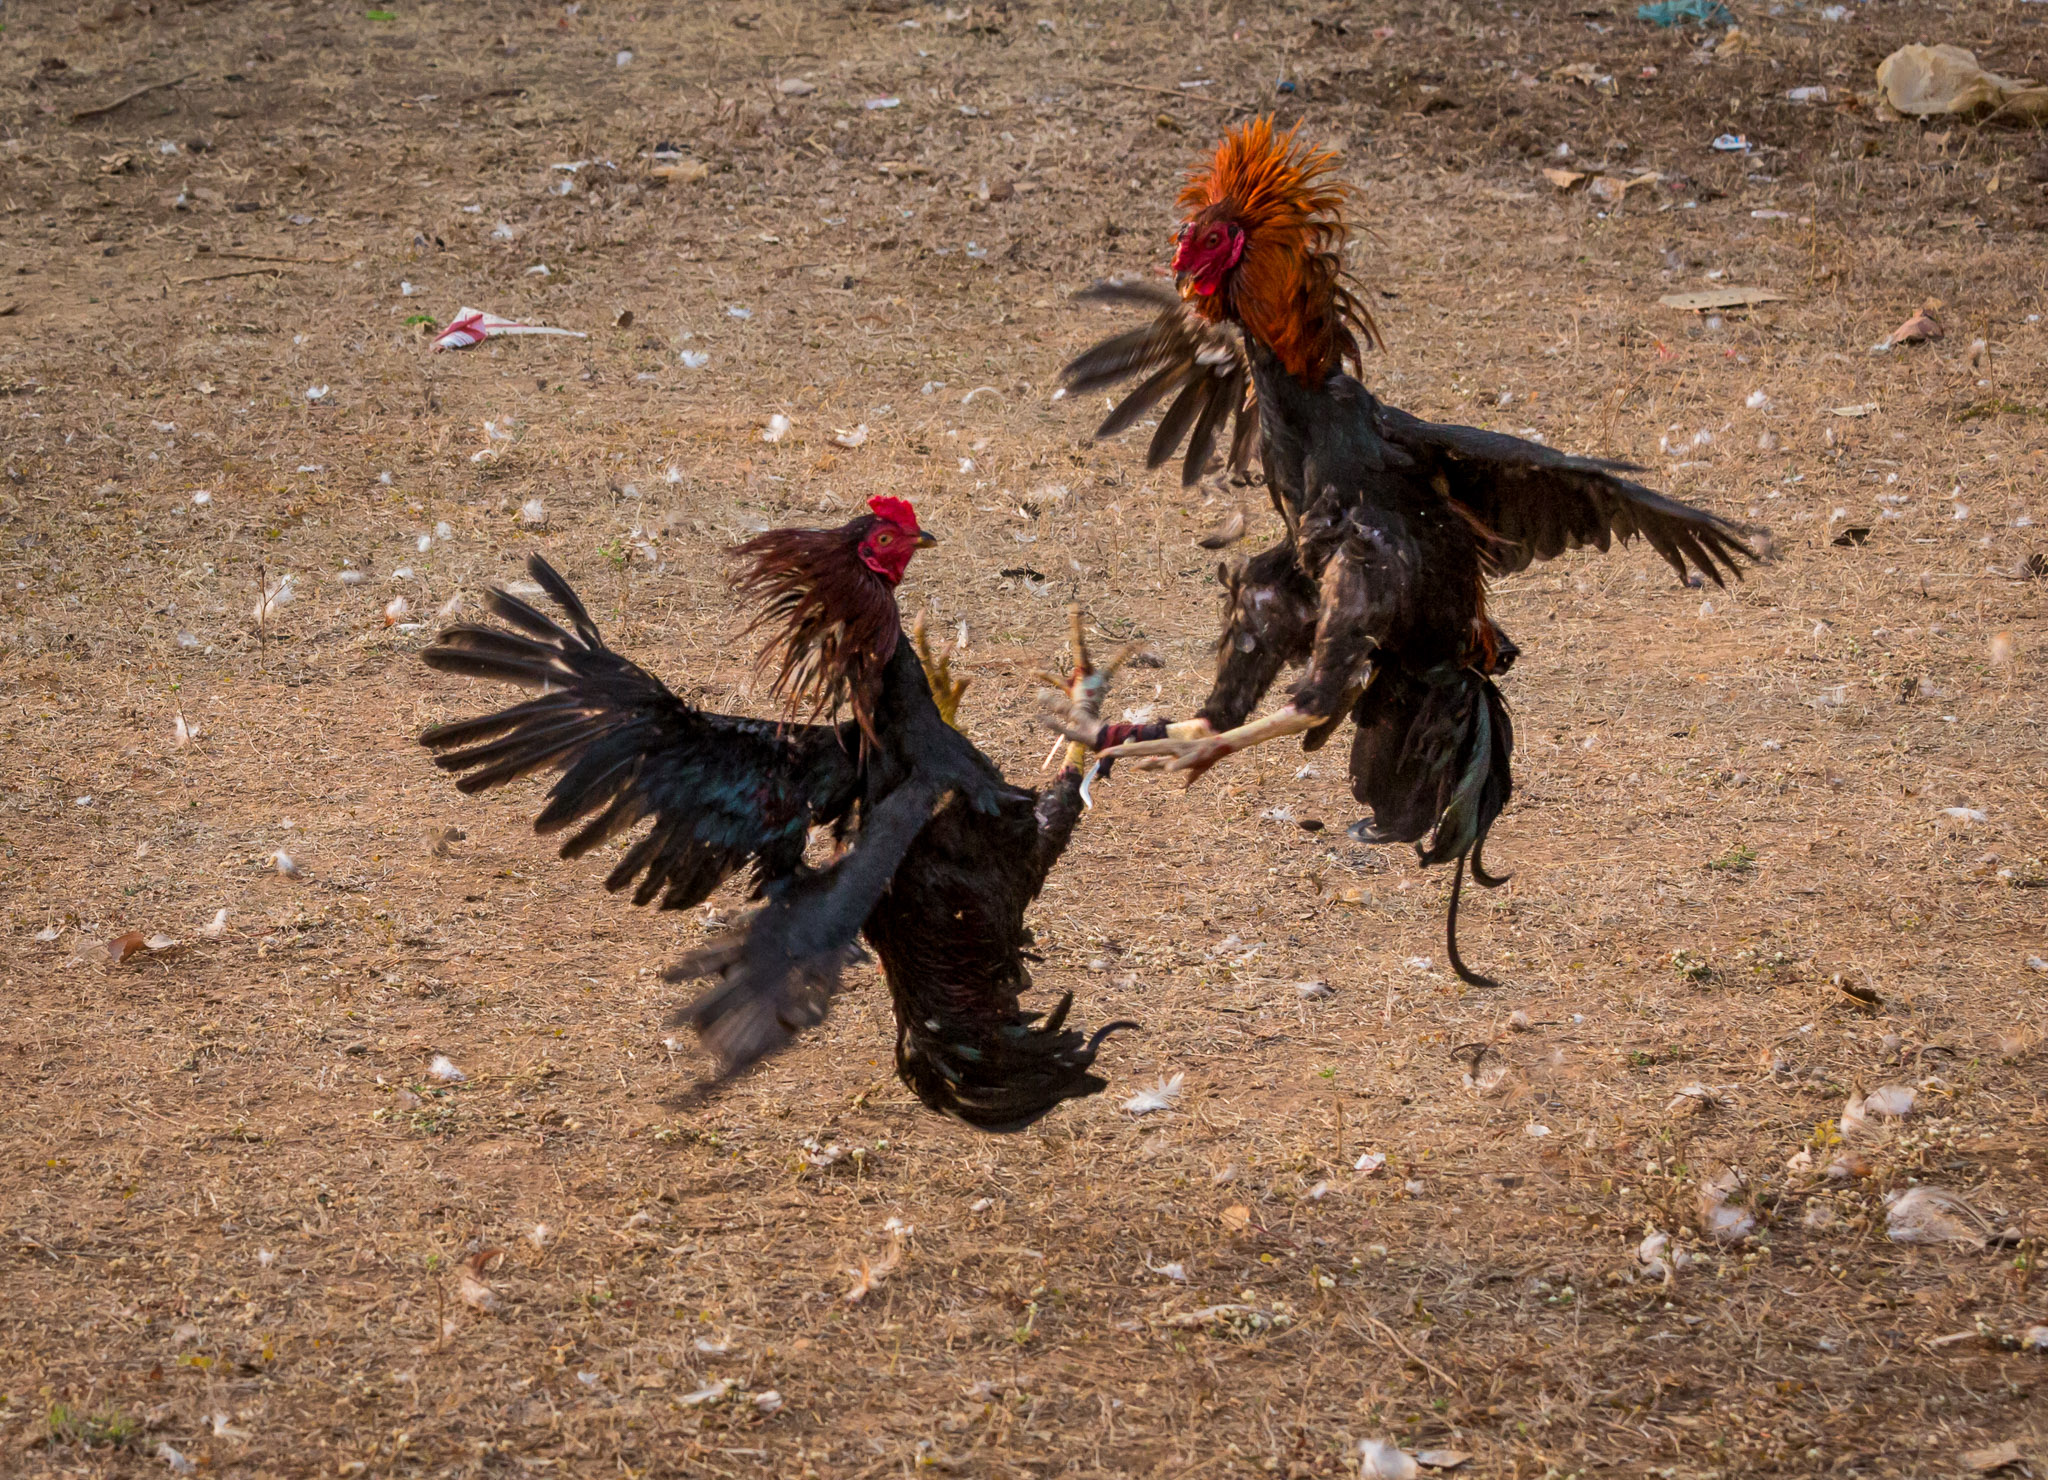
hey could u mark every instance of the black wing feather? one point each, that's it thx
(1542, 502)
(722, 791)
(777, 974)
(1178, 352)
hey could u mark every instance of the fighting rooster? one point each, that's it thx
(1394, 524)
(940, 858)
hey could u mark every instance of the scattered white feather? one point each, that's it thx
(1536, 1129)
(1178, 1273)
(850, 437)
(868, 1278)
(449, 607)
(1890, 1101)
(981, 1205)
(1159, 1097)
(396, 610)
(539, 1235)
(202, 498)
(215, 928)
(1933, 1215)
(49, 933)
(1421, 963)
(1314, 991)
(768, 1402)
(777, 428)
(1653, 1255)
(181, 732)
(533, 513)
(316, 393)
(1719, 1217)
(285, 864)
(280, 595)
(178, 1463)
(1381, 1461)
(443, 1068)
(266, 1257)
(1965, 814)
(693, 359)
(1370, 1163)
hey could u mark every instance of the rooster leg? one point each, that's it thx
(1197, 753)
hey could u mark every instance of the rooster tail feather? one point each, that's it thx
(999, 1077)
(1433, 758)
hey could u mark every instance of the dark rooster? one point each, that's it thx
(941, 857)
(1394, 524)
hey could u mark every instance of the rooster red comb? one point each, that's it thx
(896, 510)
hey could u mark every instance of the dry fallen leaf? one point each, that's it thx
(1996, 1457)
(1237, 1217)
(121, 947)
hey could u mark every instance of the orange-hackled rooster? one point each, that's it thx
(1394, 524)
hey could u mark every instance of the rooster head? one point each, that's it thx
(891, 537)
(1209, 246)
(1262, 243)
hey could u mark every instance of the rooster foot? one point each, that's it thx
(1196, 753)
(1072, 706)
(938, 672)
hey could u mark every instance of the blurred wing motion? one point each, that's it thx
(1200, 364)
(722, 791)
(776, 976)
(1538, 502)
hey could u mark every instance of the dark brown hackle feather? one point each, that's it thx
(834, 621)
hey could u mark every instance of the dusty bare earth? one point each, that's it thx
(242, 1218)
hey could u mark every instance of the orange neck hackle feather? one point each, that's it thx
(1287, 290)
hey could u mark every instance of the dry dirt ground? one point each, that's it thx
(247, 1230)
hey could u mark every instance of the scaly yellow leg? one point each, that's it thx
(1199, 749)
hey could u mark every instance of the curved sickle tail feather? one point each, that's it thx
(999, 1078)
(1433, 757)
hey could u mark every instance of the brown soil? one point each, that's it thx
(237, 1205)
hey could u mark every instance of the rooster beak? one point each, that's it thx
(926, 539)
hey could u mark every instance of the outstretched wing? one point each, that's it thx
(721, 791)
(777, 973)
(1542, 502)
(1181, 354)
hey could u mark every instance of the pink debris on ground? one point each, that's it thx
(472, 326)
